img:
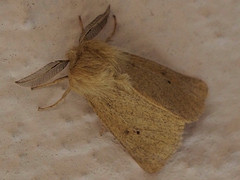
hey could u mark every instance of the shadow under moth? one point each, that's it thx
(143, 104)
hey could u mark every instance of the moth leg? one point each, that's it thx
(81, 23)
(103, 129)
(114, 29)
(50, 83)
(63, 96)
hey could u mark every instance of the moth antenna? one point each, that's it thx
(95, 26)
(56, 103)
(56, 81)
(44, 74)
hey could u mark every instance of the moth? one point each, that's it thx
(142, 103)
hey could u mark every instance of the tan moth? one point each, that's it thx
(144, 105)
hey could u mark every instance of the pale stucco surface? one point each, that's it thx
(194, 37)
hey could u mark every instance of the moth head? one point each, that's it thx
(88, 33)
(93, 64)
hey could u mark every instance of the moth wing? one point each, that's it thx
(150, 134)
(44, 74)
(182, 95)
(95, 26)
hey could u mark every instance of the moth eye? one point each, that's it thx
(169, 82)
(133, 65)
(126, 132)
(109, 105)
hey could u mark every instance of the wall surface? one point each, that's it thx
(194, 37)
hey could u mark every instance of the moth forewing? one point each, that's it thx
(150, 134)
(182, 95)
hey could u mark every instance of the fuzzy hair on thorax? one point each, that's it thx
(94, 68)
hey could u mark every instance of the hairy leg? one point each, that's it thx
(81, 23)
(114, 29)
(56, 103)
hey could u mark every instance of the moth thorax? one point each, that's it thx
(95, 69)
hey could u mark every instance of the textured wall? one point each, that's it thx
(195, 37)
